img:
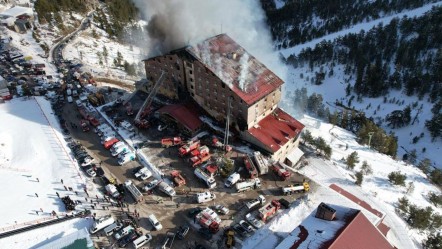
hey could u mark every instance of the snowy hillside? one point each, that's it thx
(375, 189)
(98, 54)
(334, 86)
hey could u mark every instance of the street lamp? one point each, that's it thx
(370, 134)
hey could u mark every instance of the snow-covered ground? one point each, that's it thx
(29, 47)
(34, 159)
(333, 89)
(375, 189)
(40, 237)
(90, 52)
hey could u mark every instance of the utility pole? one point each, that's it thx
(370, 134)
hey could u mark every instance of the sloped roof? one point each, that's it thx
(276, 129)
(359, 233)
(350, 229)
(356, 200)
(184, 115)
(243, 73)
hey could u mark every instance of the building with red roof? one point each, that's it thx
(336, 227)
(217, 71)
(184, 116)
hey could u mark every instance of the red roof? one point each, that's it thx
(359, 233)
(184, 115)
(383, 228)
(212, 169)
(244, 74)
(276, 129)
(356, 200)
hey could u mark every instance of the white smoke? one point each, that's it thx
(174, 24)
(244, 61)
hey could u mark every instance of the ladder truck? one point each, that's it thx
(145, 108)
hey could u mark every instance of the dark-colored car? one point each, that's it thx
(240, 230)
(193, 212)
(284, 203)
(127, 239)
(99, 171)
(205, 233)
(182, 232)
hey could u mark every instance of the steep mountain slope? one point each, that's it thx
(401, 75)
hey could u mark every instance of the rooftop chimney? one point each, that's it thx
(325, 212)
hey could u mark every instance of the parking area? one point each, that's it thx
(173, 212)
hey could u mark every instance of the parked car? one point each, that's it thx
(240, 230)
(123, 232)
(99, 171)
(155, 223)
(246, 226)
(182, 232)
(151, 185)
(222, 209)
(253, 221)
(127, 239)
(89, 170)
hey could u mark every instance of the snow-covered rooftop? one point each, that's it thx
(16, 11)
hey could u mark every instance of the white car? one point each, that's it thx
(255, 222)
(222, 209)
(143, 174)
(151, 185)
(126, 125)
(155, 223)
(91, 172)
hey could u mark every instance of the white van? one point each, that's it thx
(233, 178)
(205, 197)
(155, 223)
(101, 223)
(141, 241)
(70, 100)
(109, 230)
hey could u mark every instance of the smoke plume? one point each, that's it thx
(173, 24)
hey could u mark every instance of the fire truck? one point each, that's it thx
(167, 142)
(84, 125)
(269, 210)
(280, 170)
(199, 156)
(177, 178)
(208, 218)
(250, 166)
(188, 147)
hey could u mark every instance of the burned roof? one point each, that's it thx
(243, 73)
